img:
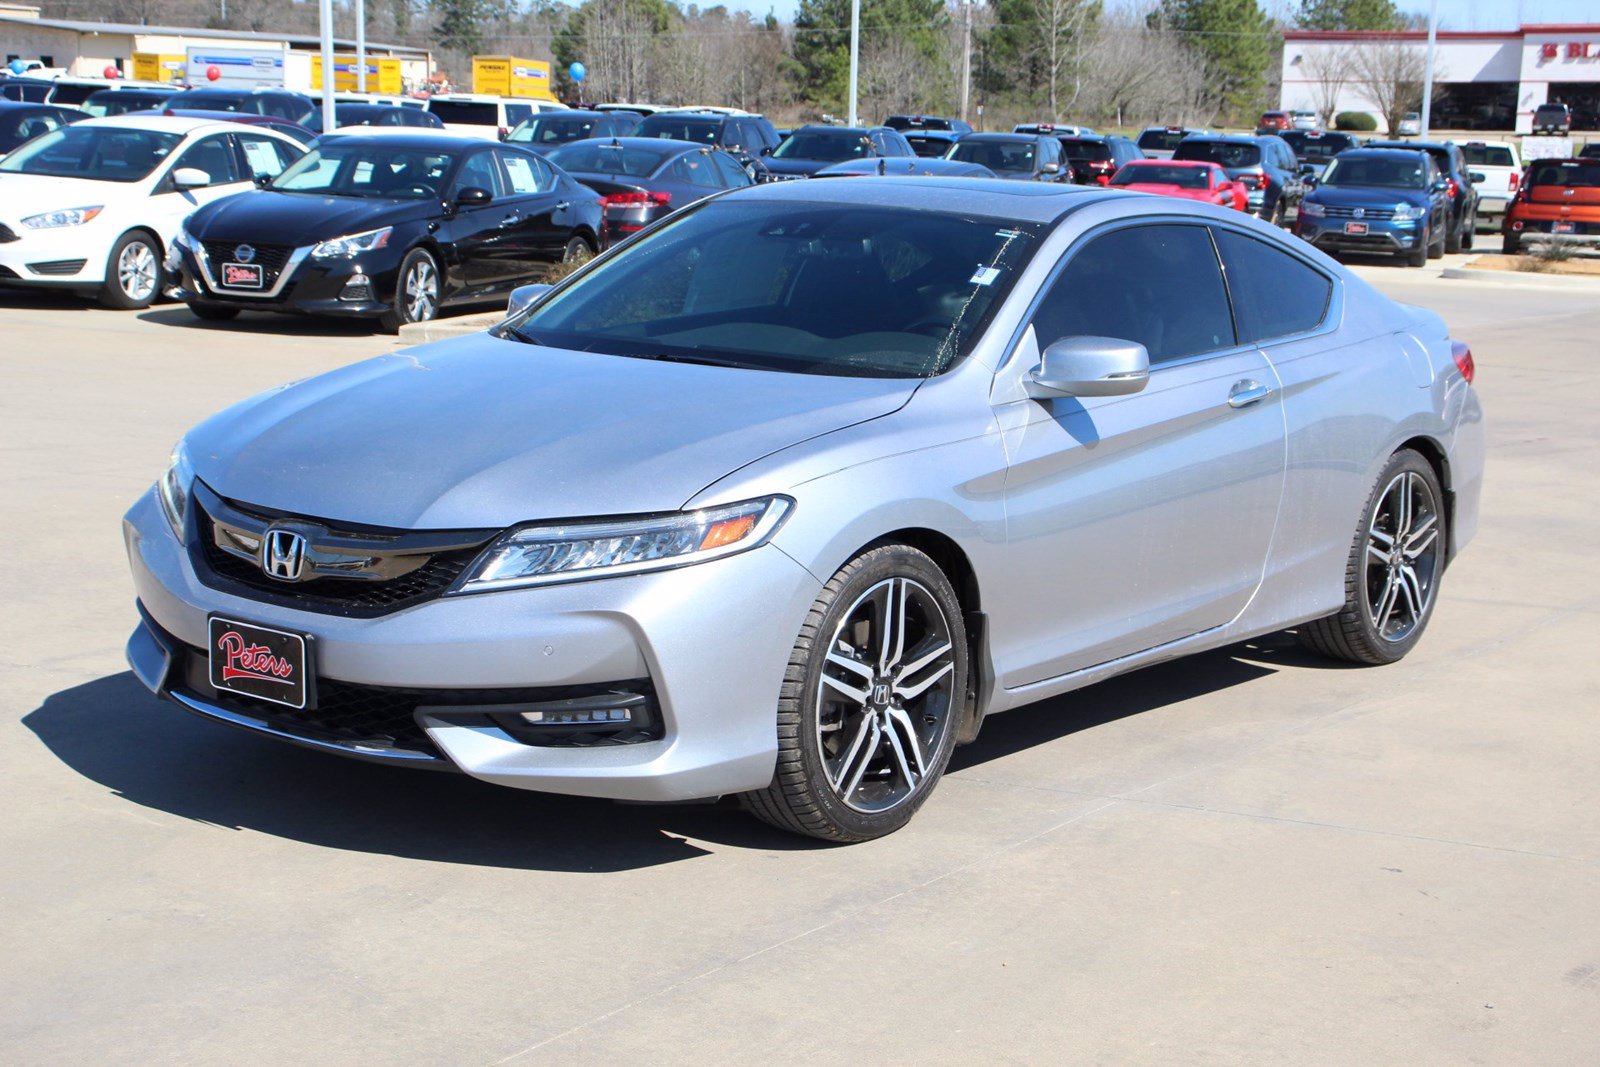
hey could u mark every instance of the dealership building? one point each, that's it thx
(1483, 80)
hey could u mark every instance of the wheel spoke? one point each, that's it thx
(861, 754)
(916, 689)
(854, 666)
(892, 632)
(1386, 606)
(1424, 535)
(1411, 584)
(856, 696)
(941, 647)
(899, 718)
(911, 777)
(1402, 519)
(1374, 552)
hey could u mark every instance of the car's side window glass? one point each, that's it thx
(1274, 293)
(479, 172)
(263, 156)
(696, 169)
(733, 175)
(1159, 285)
(213, 156)
(525, 174)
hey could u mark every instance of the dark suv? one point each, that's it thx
(813, 148)
(928, 136)
(1316, 147)
(1452, 164)
(1014, 156)
(745, 137)
(273, 103)
(1090, 158)
(1266, 166)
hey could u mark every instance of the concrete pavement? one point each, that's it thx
(1250, 856)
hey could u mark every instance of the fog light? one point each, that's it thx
(577, 717)
(357, 287)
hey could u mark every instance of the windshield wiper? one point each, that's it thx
(673, 357)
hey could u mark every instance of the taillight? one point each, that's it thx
(1516, 180)
(636, 199)
(1100, 164)
(1452, 188)
(1261, 180)
(1462, 353)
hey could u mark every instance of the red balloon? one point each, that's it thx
(213, 73)
(112, 72)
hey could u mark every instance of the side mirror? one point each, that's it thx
(1052, 168)
(190, 178)
(1312, 180)
(262, 180)
(523, 296)
(766, 150)
(1089, 366)
(472, 196)
(1475, 177)
(1307, 170)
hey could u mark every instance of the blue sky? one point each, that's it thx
(1453, 14)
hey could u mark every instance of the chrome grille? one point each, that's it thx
(1370, 214)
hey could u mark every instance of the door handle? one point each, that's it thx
(1247, 392)
(563, 205)
(510, 220)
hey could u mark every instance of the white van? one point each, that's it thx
(490, 117)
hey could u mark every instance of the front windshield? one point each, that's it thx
(554, 129)
(811, 288)
(698, 131)
(831, 146)
(604, 157)
(111, 102)
(996, 155)
(1377, 171)
(99, 153)
(1086, 151)
(359, 167)
(1148, 174)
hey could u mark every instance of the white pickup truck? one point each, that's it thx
(1501, 166)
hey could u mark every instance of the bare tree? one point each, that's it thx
(1061, 26)
(1389, 74)
(1144, 75)
(1328, 70)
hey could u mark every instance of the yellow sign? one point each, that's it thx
(510, 76)
(151, 67)
(383, 75)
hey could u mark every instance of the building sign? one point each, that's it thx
(1569, 51)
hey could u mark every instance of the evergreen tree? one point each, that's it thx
(1349, 15)
(461, 22)
(1236, 39)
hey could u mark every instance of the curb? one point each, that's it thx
(1522, 278)
(416, 333)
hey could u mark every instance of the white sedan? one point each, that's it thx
(93, 206)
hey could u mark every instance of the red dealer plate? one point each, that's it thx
(1566, 227)
(257, 661)
(1355, 227)
(241, 275)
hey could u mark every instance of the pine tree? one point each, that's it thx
(1235, 37)
(1349, 15)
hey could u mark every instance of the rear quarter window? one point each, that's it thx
(1274, 293)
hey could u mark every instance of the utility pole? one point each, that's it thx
(966, 58)
(855, 56)
(361, 46)
(326, 12)
(1427, 73)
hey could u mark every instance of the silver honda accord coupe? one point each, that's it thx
(782, 497)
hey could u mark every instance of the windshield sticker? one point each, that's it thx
(984, 276)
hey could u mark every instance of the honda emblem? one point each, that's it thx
(283, 554)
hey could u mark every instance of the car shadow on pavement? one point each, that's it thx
(263, 322)
(152, 753)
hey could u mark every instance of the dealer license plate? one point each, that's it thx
(242, 275)
(257, 661)
(1355, 227)
(1566, 227)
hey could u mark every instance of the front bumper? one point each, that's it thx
(713, 640)
(1328, 234)
(66, 258)
(304, 286)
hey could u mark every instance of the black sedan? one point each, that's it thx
(641, 179)
(549, 130)
(20, 123)
(392, 225)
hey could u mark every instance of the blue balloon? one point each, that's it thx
(18, 66)
(578, 72)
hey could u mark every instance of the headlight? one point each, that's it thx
(539, 555)
(352, 245)
(173, 489)
(67, 216)
(1312, 210)
(1407, 212)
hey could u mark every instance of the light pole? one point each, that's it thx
(855, 55)
(326, 12)
(1427, 70)
(966, 58)
(361, 46)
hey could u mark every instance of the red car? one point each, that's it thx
(1274, 122)
(1190, 180)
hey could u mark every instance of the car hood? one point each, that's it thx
(29, 194)
(1366, 196)
(483, 432)
(266, 216)
(794, 166)
(1168, 189)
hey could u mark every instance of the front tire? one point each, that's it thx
(1436, 249)
(1418, 256)
(867, 713)
(416, 292)
(1392, 574)
(133, 273)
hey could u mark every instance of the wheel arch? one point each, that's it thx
(1432, 451)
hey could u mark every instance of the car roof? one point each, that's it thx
(1411, 145)
(424, 136)
(179, 124)
(1011, 138)
(575, 113)
(1230, 138)
(1024, 201)
(1172, 163)
(1375, 150)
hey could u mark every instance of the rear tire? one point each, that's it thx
(417, 291)
(1392, 574)
(1510, 246)
(212, 313)
(868, 710)
(1452, 237)
(133, 272)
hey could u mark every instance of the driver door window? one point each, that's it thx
(213, 156)
(478, 172)
(263, 156)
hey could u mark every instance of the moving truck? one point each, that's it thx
(508, 76)
(154, 67)
(383, 75)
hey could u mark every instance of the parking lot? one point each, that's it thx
(1248, 856)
